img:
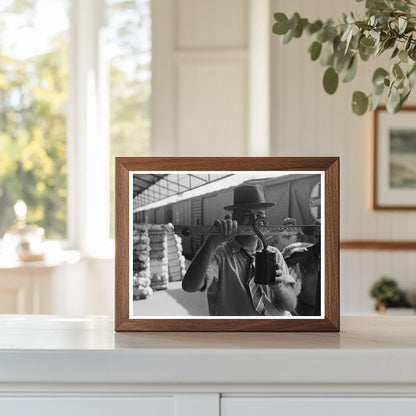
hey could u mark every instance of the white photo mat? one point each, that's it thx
(244, 176)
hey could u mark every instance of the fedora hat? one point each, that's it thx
(248, 197)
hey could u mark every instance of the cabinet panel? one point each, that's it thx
(88, 406)
(16, 292)
(212, 24)
(269, 406)
(207, 404)
(9, 301)
(212, 107)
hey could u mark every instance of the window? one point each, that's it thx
(75, 87)
(129, 46)
(33, 97)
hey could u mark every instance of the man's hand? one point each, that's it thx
(284, 278)
(227, 227)
(284, 291)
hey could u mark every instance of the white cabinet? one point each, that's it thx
(110, 404)
(26, 290)
(324, 406)
(51, 365)
(202, 405)
(39, 287)
(88, 406)
(68, 286)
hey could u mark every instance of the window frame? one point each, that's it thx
(88, 133)
(87, 129)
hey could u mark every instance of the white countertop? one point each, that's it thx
(52, 349)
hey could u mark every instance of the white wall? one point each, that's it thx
(308, 122)
(201, 78)
(203, 81)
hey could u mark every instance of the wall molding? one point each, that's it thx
(377, 245)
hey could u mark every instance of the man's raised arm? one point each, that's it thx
(194, 278)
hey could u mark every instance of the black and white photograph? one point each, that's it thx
(394, 179)
(403, 158)
(226, 244)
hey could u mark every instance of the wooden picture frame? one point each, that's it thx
(394, 158)
(327, 167)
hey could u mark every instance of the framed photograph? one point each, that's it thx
(227, 244)
(394, 180)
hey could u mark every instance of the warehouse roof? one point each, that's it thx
(144, 181)
(151, 188)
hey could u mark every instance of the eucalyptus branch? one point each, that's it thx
(389, 25)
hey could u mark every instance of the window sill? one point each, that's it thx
(50, 261)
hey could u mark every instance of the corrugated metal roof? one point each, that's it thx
(151, 188)
(144, 181)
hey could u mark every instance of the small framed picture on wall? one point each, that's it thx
(394, 150)
(227, 244)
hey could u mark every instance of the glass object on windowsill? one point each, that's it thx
(23, 240)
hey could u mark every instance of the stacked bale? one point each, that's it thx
(141, 262)
(176, 260)
(158, 256)
(141, 287)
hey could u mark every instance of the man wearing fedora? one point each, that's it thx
(224, 264)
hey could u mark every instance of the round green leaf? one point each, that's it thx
(314, 27)
(365, 53)
(331, 33)
(403, 56)
(355, 42)
(379, 75)
(389, 43)
(330, 80)
(282, 25)
(322, 36)
(411, 76)
(298, 30)
(367, 42)
(351, 71)
(376, 4)
(315, 50)
(374, 102)
(378, 90)
(288, 37)
(403, 96)
(393, 101)
(327, 54)
(359, 103)
(294, 20)
(342, 61)
(397, 71)
(412, 70)
(395, 52)
(400, 5)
